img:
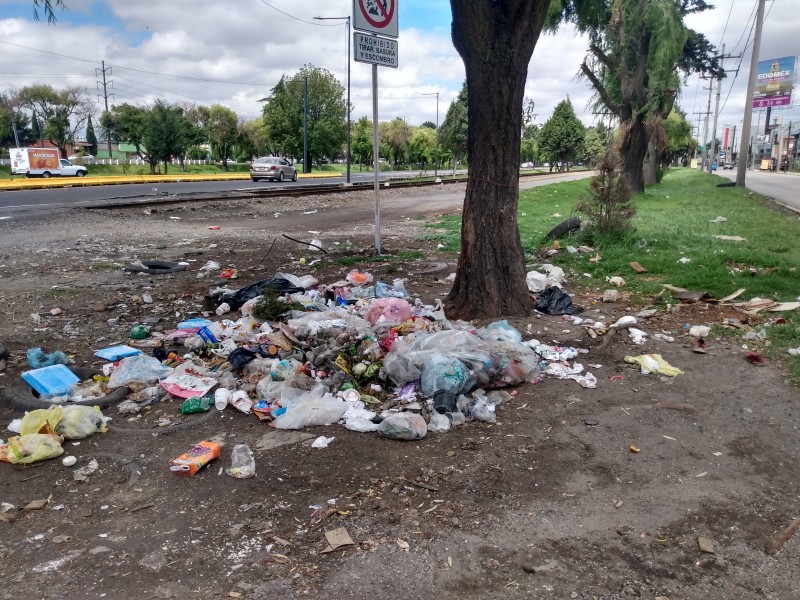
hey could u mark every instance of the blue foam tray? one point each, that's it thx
(115, 353)
(55, 380)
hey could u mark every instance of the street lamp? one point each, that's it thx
(436, 159)
(347, 32)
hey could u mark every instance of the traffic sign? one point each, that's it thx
(376, 16)
(375, 50)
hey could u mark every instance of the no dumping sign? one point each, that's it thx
(376, 16)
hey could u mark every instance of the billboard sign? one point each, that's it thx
(774, 82)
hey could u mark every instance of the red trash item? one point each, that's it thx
(214, 227)
(754, 358)
(192, 461)
(229, 274)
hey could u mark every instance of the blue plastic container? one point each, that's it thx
(55, 380)
(115, 353)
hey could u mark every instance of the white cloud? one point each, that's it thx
(165, 49)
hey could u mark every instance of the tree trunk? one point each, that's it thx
(166, 167)
(633, 148)
(495, 41)
(651, 161)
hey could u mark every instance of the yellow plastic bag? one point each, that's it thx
(653, 363)
(44, 420)
(80, 421)
(31, 447)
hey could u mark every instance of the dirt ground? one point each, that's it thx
(549, 502)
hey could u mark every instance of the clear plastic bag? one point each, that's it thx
(311, 410)
(243, 465)
(138, 369)
(500, 331)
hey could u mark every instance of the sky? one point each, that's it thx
(233, 53)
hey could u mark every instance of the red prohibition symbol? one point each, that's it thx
(386, 12)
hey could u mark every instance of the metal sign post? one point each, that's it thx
(371, 17)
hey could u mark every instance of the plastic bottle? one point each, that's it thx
(222, 397)
(196, 405)
(223, 309)
(243, 464)
(443, 378)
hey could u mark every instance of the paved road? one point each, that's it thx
(27, 204)
(783, 187)
(16, 202)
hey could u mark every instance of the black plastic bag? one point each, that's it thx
(555, 301)
(279, 284)
(240, 357)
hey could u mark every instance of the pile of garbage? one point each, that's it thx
(294, 354)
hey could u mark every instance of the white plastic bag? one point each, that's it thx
(311, 410)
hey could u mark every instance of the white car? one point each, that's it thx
(273, 168)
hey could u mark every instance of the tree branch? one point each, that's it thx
(600, 89)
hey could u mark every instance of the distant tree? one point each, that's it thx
(252, 140)
(361, 141)
(91, 138)
(422, 146)
(561, 137)
(127, 123)
(397, 135)
(164, 133)
(36, 130)
(429, 125)
(594, 146)
(327, 114)
(453, 132)
(679, 140)
(9, 116)
(223, 131)
(61, 113)
(49, 9)
(529, 148)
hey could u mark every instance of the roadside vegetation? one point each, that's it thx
(674, 220)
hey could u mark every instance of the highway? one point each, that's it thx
(783, 187)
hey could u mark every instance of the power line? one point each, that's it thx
(94, 62)
(751, 17)
(298, 18)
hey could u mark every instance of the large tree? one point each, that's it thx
(561, 137)
(11, 117)
(49, 7)
(327, 114)
(61, 113)
(495, 40)
(637, 49)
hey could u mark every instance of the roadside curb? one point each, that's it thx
(34, 184)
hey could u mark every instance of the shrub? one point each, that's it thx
(609, 208)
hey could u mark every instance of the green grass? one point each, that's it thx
(672, 221)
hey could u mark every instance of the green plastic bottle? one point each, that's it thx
(197, 405)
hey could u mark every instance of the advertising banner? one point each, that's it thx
(774, 82)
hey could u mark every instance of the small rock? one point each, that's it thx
(547, 567)
(61, 539)
(155, 561)
(99, 550)
(573, 595)
(610, 295)
(661, 598)
(705, 544)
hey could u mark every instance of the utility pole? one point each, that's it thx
(705, 126)
(748, 107)
(716, 114)
(106, 83)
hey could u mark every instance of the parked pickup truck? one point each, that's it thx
(43, 162)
